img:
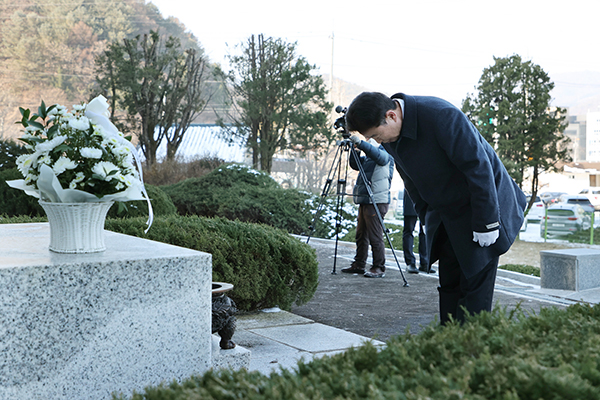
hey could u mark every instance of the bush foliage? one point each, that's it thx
(161, 205)
(14, 202)
(499, 355)
(237, 192)
(266, 266)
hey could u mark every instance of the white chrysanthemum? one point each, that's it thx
(63, 164)
(58, 110)
(78, 107)
(129, 180)
(81, 123)
(24, 163)
(90, 152)
(80, 176)
(45, 159)
(104, 168)
(45, 147)
(30, 178)
(111, 141)
(29, 130)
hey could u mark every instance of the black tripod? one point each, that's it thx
(346, 147)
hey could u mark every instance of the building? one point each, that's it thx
(576, 132)
(206, 141)
(592, 142)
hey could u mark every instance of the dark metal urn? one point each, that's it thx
(223, 310)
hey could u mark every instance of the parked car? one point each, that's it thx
(550, 197)
(593, 195)
(537, 210)
(399, 210)
(580, 199)
(564, 219)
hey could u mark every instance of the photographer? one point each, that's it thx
(378, 166)
(472, 208)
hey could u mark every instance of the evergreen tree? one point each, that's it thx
(513, 113)
(161, 87)
(48, 49)
(281, 103)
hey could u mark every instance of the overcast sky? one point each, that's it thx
(419, 47)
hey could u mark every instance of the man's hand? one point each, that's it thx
(355, 140)
(486, 239)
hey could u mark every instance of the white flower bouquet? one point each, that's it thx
(78, 157)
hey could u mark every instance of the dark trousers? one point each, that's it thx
(408, 242)
(456, 291)
(369, 231)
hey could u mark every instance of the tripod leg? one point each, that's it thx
(361, 172)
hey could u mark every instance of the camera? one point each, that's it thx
(340, 123)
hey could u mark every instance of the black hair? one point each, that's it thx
(367, 111)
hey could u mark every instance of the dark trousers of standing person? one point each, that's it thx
(369, 231)
(408, 243)
(456, 291)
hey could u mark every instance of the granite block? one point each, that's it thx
(86, 325)
(570, 269)
(236, 358)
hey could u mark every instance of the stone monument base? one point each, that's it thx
(82, 326)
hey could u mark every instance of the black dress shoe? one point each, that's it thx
(424, 269)
(411, 269)
(353, 270)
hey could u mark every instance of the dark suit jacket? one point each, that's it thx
(408, 208)
(454, 177)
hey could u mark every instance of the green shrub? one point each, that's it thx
(161, 205)
(9, 151)
(498, 355)
(15, 202)
(21, 219)
(522, 268)
(237, 192)
(266, 266)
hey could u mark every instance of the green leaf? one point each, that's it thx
(35, 123)
(52, 130)
(42, 110)
(62, 148)
(25, 112)
(97, 177)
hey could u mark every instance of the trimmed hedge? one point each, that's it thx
(161, 205)
(266, 266)
(235, 191)
(499, 355)
(14, 202)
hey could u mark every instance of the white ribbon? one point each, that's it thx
(97, 112)
(50, 189)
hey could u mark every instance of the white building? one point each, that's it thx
(592, 134)
(205, 141)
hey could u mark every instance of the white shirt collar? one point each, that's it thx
(401, 102)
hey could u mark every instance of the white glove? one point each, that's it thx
(486, 239)
(355, 139)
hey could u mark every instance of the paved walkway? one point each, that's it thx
(350, 309)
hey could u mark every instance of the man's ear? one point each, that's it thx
(391, 114)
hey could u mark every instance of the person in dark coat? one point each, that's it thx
(410, 221)
(472, 208)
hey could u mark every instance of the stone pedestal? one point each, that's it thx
(81, 326)
(570, 269)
